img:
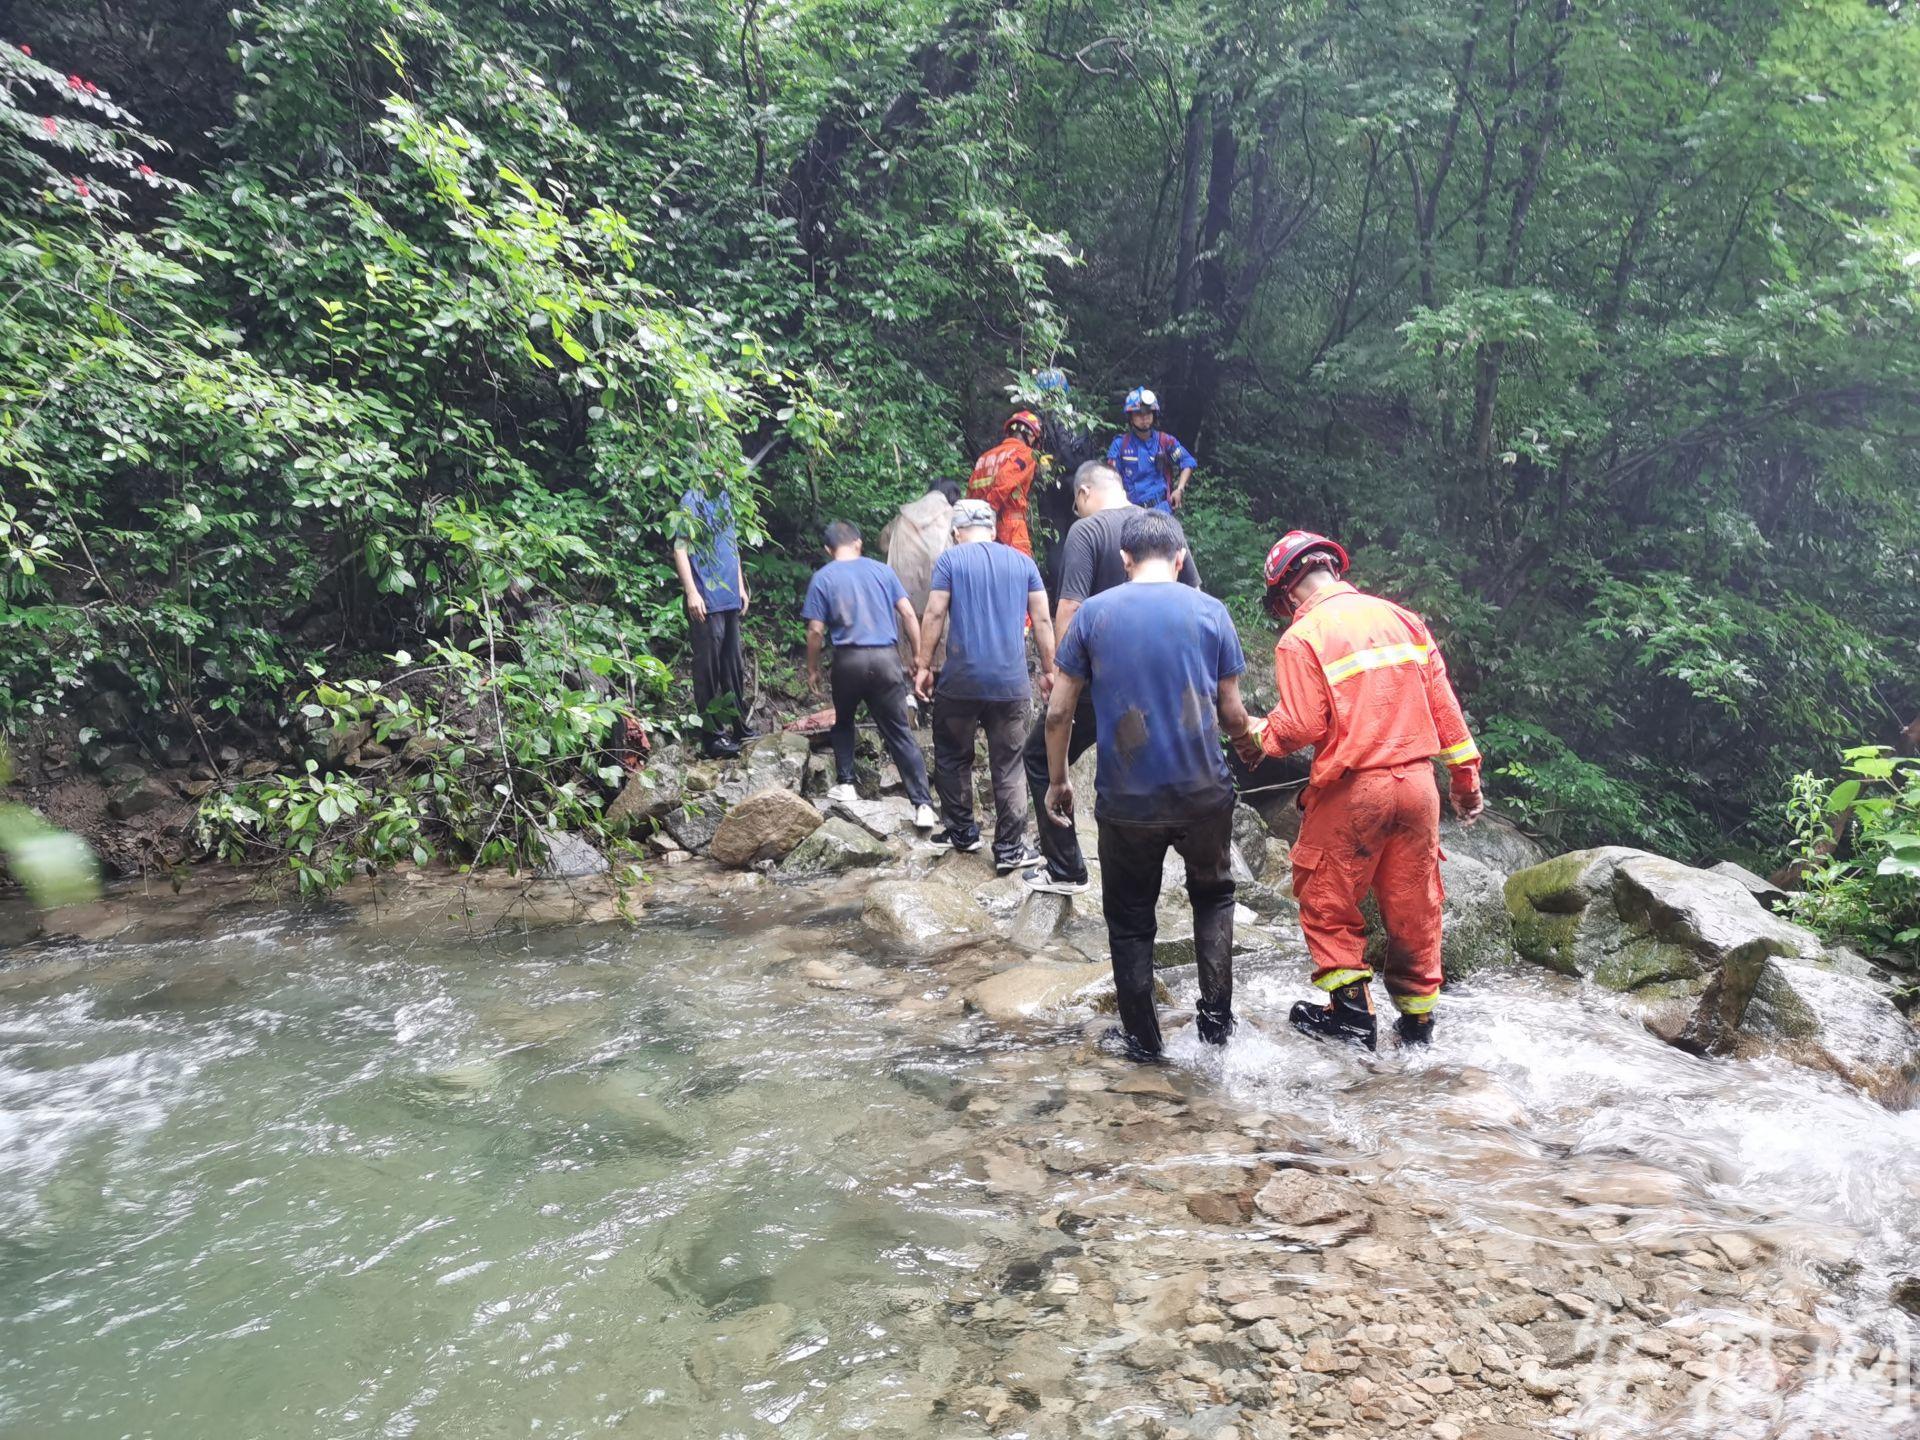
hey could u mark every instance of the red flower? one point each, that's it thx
(146, 170)
(92, 89)
(48, 123)
(76, 82)
(81, 186)
(26, 50)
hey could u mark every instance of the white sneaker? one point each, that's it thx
(924, 818)
(843, 794)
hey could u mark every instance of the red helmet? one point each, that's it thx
(1026, 418)
(1283, 561)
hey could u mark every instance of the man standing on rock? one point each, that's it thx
(855, 601)
(982, 594)
(1091, 564)
(1162, 662)
(1361, 681)
(706, 556)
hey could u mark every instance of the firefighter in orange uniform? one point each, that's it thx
(1003, 477)
(1361, 681)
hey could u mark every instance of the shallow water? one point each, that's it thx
(302, 1180)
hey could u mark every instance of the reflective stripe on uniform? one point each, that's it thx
(1378, 658)
(1414, 1004)
(1334, 979)
(1460, 754)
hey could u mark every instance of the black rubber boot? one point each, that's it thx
(1349, 1017)
(1214, 1025)
(1414, 1029)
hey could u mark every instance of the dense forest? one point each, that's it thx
(355, 353)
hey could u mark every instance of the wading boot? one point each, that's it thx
(1349, 1017)
(1414, 1029)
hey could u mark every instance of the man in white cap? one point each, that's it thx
(982, 596)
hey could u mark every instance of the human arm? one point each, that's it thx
(1303, 711)
(910, 622)
(1457, 750)
(932, 626)
(816, 638)
(1180, 488)
(740, 580)
(1184, 463)
(1060, 707)
(1235, 723)
(683, 567)
(1042, 638)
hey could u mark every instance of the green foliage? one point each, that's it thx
(1856, 844)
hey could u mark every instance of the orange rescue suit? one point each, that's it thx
(1361, 681)
(1003, 477)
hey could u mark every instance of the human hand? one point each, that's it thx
(696, 605)
(1468, 805)
(1046, 684)
(1179, 495)
(923, 682)
(1248, 747)
(746, 601)
(1060, 802)
(814, 687)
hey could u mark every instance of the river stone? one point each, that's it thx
(770, 762)
(1040, 918)
(131, 792)
(833, 849)
(1497, 844)
(1026, 990)
(1251, 837)
(1818, 1015)
(765, 825)
(650, 793)
(1763, 890)
(1297, 1198)
(922, 917)
(1476, 928)
(694, 823)
(569, 857)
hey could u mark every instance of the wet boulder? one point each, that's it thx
(1031, 989)
(833, 849)
(131, 791)
(1831, 1014)
(766, 825)
(770, 762)
(569, 857)
(650, 793)
(694, 824)
(1763, 890)
(1498, 844)
(922, 917)
(1251, 839)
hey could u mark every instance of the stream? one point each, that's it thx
(721, 1174)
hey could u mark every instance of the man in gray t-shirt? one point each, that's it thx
(1091, 564)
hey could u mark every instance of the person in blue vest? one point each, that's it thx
(1153, 465)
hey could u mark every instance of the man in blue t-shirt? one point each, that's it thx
(706, 556)
(1163, 663)
(982, 595)
(1153, 465)
(859, 604)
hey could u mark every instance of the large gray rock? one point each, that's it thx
(1251, 838)
(770, 762)
(923, 917)
(1498, 844)
(695, 822)
(882, 819)
(833, 849)
(131, 791)
(1476, 928)
(1762, 889)
(1829, 1015)
(569, 857)
(651, 793)
(767, 825)
(1031, 989)
(1715, 971)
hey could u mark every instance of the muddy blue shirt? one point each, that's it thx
(987, 585)
(713, 549)
(1153, 656)
(855, 600)
(1148, 481)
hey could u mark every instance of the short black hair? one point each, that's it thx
(841, 532)
(1152, 535)
(949, 488)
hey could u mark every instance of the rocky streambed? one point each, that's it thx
(1656, 1177)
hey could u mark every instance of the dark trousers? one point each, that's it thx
(1060, 843)
(717, 668)
(955, 723)
(1131, 857)
(872, 674)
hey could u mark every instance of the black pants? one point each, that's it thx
(955, 723)
(872, 673)
(1060, 843)
(1131, 857)
(717, 668)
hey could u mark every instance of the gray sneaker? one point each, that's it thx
(1042, 881)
